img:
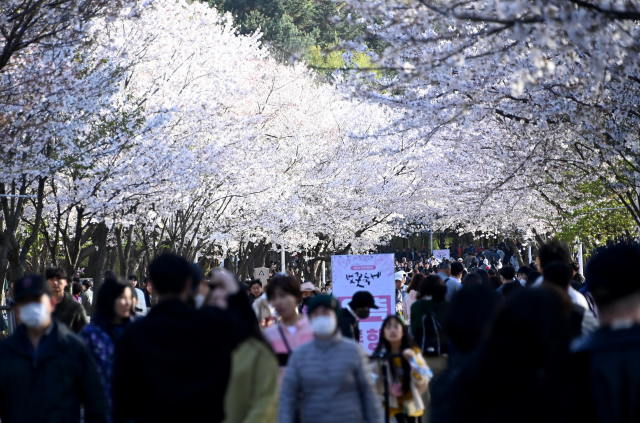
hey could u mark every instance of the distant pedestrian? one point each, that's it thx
(67, 310)
(358, 308)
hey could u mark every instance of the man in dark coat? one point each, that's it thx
(607, 363)
(46, 372)
(359, 308)
(68, 310)
(180, 356)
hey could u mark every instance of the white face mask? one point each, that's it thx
(34, 315)
(324, 325)
(199, 299)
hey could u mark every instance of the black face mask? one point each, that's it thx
(363, 313)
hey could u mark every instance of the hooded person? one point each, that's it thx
(358, 309)
(328, 379)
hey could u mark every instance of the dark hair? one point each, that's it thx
(433, 286)
(416, 281)
(492, 272)
(471, 279)
(484, 277)
(524, 270)
(534, 266)
(554, 251)
(525, 358)
(508, 272)
(406, 342)
(495, 282)
(133, 277)
(532, 278)
(288, 284)
(55, 272)
(76, 288)
(110, 290)
(444, 265)
(169, 273)
(456, 268)
(511, 288)
(558, 273)
(109, 274)
(470, 316)
(605, 288)
(87, 283)
(575, 266)
(76, 279)
(255, 282)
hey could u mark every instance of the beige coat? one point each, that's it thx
(261, 308)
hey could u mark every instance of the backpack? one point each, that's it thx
(434, 340)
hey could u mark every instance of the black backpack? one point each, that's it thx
(434, 340)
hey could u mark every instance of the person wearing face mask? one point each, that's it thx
(46, 372)
(358, 309)
(112, 316)
(328, 379)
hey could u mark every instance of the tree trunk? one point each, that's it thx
(98, 258)
(516, 252)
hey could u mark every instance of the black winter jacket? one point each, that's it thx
(71, 313)
(51, 388)
(180, 358)
(607, 376)
(349, 325)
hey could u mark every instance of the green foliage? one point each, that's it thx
(597, 218)
(294, 28)
(289, 24)
(327, 62)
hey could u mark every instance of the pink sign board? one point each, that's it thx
(372, 273)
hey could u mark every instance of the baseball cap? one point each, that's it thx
(399, 275)
(362, 299)
(322, 300)
(30, 285)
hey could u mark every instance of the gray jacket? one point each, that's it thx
(328, 382)
(87, 300)
(452, 285)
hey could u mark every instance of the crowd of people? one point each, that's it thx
(469, 342)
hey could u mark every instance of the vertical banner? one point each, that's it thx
(372, 273)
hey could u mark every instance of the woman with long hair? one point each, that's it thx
(412, 291)
(113, 314)
(406, 382)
